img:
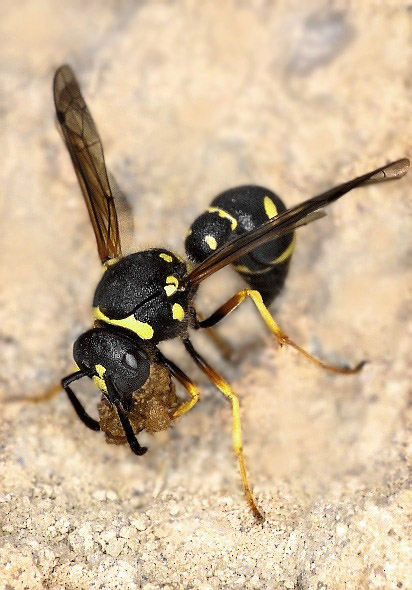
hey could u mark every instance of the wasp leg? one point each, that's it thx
(224, 347)
(35, 399)
(47, 395)
(127, 427)
(225, 388)
(128, 430)
(282, 338)
(190, 387)
(80, 411)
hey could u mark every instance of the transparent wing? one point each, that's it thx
(288, 221)
(86, 151)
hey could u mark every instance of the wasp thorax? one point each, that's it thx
(108, 354)
(142, 293)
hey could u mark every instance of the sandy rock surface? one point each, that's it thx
(191, 98)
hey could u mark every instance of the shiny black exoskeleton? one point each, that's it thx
(104, 352)
(234, 213)
(143, 292)
(147, 297)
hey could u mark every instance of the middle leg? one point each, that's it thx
(225, 388)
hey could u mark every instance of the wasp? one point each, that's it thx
(148, 297)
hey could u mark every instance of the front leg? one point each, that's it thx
(114, 399)
(80, 411)
(184, 380)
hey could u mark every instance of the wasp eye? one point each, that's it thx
(130, 360)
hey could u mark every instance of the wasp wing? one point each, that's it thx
(289, 220)
(86, 151)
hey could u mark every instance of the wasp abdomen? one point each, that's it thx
(232, 214)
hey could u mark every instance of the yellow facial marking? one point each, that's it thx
(143, 330)
(286, 253)
(166, 257)
(178, 312)
(100, 370)
(189, 233)
(211, 242)
(270, 207)
(223, 213)
(99, 381)
(171, 286)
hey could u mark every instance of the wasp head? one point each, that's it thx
(117, 363)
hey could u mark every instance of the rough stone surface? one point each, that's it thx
(191, 98)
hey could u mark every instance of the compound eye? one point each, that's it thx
(134, 359)
(130, 360)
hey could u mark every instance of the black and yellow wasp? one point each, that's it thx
(147, 297)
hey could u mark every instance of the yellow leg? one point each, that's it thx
(190, 387)
(225, 388)
(281, 337)
(224, 347)
(193, 391)
(41, 397)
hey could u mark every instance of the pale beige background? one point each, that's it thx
(191, 98)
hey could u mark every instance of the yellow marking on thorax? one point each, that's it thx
(166, 257)
(270, 207)
(178, 312)
(99, 381)
(110, 262)
(286, 253)
(223, 213)
(171, 286)
(189, 233)
(143, 330)
(211, 242)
